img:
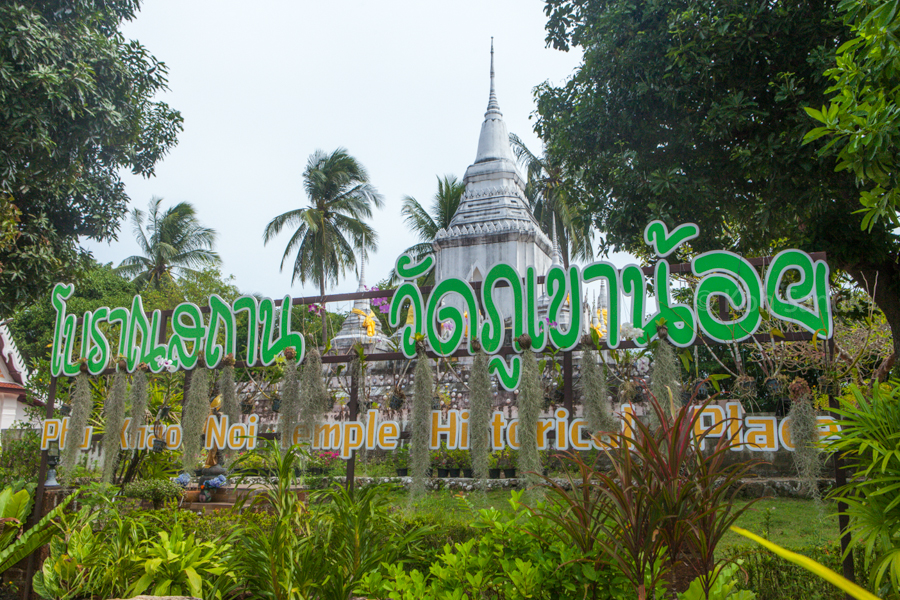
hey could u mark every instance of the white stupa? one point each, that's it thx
(494, 222)
(362, 325)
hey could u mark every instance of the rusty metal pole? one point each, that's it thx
(354, 414)
(840, 480)
(36, 513)
(568, 375)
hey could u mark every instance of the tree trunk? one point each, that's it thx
(324, 316)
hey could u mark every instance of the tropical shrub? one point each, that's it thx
(512, 557)
(661, 510)
(869, 444)
(121, 560)
(16, 544)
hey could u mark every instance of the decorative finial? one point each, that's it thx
(493, 105)
(557, 255)
(362, 272)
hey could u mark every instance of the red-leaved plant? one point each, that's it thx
(660, 510)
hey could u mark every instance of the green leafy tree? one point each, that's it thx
(862, 119)
(425, 225)
(100, 285)
(553, 195)
(174, 242)
(692, 110)
(332, 228)
(77, 108)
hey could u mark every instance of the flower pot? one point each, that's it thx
(453, 472)
(402, 472)
(442, 472)
(509, 473)
(467, 473)
(494, 473)
(191, 495)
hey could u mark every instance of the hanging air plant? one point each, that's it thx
(804, 429)
(230, 406)
(314, 397)
(139, 399)
(594, 393)
(530, 401)
(480, 414)
(665, 379)
(193, 417)
(419, 455)
(115, 418)
(82, 404)
(314, 383)
(290, 400)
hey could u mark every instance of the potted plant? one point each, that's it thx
(464, 461)
(439, 460)
(507, 461)
(745, 386)
(493, 466)
(453, 466)
(401, 461)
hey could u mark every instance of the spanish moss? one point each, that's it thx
(804, 431)
(115, 419)
(314, 382)
(230, 407)
(139, 399)
(480, 415)
(82, 404)
(531, 398)
(193, 418)
(290, 401)
(595, 394)
(665, 378)
(419, 455)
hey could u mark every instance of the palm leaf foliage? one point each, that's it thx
(174, 242)
(332, 228)
(553, 195)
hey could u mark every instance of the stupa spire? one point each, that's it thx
(493, 105)
(493, 144)
(557, 253)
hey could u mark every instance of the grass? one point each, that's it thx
(786, 521)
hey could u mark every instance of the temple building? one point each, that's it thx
(494, 222)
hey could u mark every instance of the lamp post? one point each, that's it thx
(52, 461)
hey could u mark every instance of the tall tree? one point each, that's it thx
(425, 224)
(692, 110)
(174, 242)
(553, 195)
(76, 107)
(862, 119)
(340, 199)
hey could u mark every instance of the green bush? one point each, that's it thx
(156, 491)
(507, 557)
(20, 457)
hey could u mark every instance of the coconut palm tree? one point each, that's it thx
(552, 194)
(425, 225)
(174, 242)
(331, 229)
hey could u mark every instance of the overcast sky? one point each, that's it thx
(403, 86)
